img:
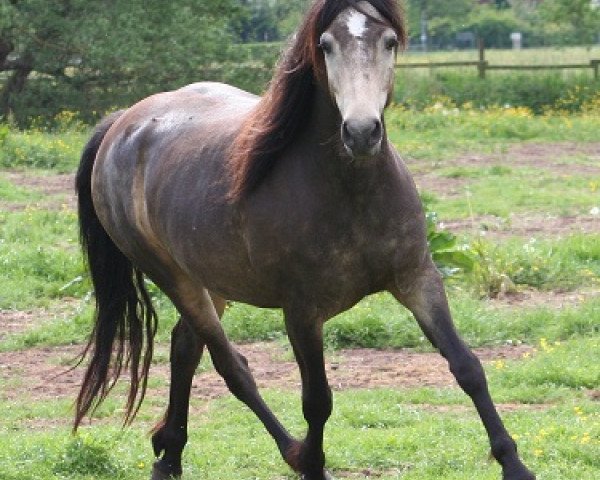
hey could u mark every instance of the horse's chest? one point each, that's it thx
(353, 259)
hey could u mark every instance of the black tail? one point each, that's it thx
(125, 319)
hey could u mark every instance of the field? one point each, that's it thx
(521, 191)
(527, 56)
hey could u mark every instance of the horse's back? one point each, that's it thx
(163, 155)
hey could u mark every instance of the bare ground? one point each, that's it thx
(57, 191)
(43, 373)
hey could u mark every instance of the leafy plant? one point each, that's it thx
(448, 255)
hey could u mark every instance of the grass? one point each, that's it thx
(384, 431)
(444, 130)
(420, 433)
(59, 151)
(12, 193)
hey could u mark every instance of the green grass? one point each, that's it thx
(524, 191)
(445, 131)
(59, 150)
(11, 193)
(40, 258)
(385, 431)
(377, 322)
(422, 433)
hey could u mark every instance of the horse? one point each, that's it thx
(295, 200)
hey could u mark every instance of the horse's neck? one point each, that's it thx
(324, 132)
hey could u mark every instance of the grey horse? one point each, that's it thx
(296, 200)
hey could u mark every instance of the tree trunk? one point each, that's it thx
(5, 48)
(15, 84)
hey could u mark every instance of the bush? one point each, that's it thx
(538, 92)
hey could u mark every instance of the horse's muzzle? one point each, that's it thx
(362, 137)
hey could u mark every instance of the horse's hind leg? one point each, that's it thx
(170, 436)
(428, 303)
(202, 316)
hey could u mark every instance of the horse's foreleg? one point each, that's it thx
(170, 436)
(306, 337)
(428, 303)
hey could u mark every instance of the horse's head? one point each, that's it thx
(359, 49)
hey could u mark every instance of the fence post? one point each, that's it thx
(482, 63)
(596, 66)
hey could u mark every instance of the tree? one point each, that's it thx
(579, 16)
(268, 20)
(68, 48)
(425, 15)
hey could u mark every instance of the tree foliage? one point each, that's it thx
(76, 48)
(580, 17)
(93, 56)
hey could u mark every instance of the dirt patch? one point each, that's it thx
(57, 190)
(530, 225)
(551, 157)
(12, 322)
(544, 156)
(532, 298)
(42, 373)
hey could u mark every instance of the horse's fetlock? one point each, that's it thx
(169, 439)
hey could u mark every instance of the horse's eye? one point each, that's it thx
(326, 46)
(391, 43)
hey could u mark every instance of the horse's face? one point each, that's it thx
(359, 59)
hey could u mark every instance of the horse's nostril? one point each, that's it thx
(347, 134)
(376, 133)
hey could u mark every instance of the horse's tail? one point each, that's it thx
(125, 319)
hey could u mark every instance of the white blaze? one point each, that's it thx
(357, 24)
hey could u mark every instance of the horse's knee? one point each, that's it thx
(317, 405)
(503, 447)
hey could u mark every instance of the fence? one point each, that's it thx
(483, 65)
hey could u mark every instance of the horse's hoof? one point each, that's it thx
(159, 474)
(525, 475)
(326, 476)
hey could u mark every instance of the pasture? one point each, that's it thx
(522, 191)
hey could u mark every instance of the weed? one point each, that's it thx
(84, 456)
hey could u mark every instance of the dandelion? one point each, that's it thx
(545, 346)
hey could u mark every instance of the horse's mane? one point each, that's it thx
(280, 114)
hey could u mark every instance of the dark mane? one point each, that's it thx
(273, 124)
